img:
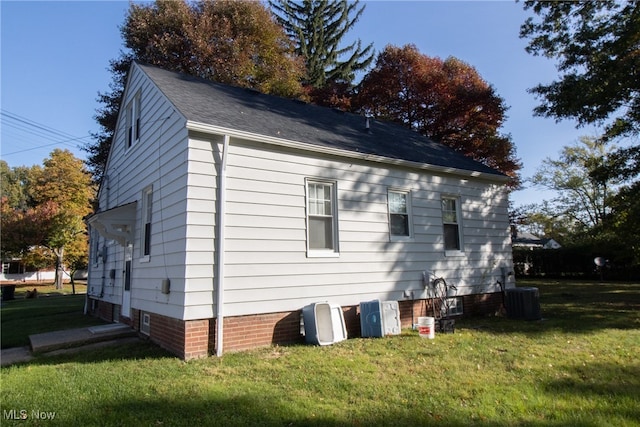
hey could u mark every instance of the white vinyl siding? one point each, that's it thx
(129, 170)
(267, 266)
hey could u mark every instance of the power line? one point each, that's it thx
(39, 130)
(35, 124)
(38, 147)
(42, 135)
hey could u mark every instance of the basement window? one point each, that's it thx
(145, 323)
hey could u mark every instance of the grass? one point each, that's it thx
(46, 288)
(580, 366)
(51, 311)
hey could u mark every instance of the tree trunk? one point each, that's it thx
(59, 253)
(73, 283)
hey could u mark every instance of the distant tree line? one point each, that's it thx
(597, 204)
(574, 262)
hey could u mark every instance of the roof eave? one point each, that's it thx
(219, 130)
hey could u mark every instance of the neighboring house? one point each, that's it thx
(523, 239)
(223, 212)
(14, 270)
(529, 242)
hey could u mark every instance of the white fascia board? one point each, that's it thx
(219, 130)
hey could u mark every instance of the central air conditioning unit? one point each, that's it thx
(523, 303)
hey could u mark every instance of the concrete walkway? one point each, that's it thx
(9, 356)
(68, 341)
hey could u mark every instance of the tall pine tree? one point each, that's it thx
(317, 28)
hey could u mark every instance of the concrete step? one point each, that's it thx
(49, 341)
(9, 356)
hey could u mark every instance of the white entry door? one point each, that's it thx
(126, 289)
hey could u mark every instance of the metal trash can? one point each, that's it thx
(8, 292)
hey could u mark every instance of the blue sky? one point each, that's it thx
(55, 58)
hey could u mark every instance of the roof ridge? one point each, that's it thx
(250, 110)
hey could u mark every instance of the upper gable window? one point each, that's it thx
(399, 214)
(133, 120)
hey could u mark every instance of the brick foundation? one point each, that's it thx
(244, 332)
(101, 309)
(193, 339)
(482, 304)
(187, 339)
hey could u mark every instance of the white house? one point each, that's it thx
(223, 212)
(523, 239)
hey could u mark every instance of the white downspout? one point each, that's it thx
(222, 198)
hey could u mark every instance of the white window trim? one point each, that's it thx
(407, 193)
(94, 248)
(323, 253)
(453, 252)
(145, 197)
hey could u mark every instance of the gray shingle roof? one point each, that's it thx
(246, 110)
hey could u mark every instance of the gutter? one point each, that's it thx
(222, 198)
(212, 129)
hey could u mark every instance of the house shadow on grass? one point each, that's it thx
(217, 406)
(253, 409)
(611, 388)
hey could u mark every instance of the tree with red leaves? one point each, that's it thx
(445, 100)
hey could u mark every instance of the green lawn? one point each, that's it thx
(580, 366)
(48, 288)
(49, 312)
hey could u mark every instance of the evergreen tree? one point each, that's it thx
(317, 28)
(232, 42)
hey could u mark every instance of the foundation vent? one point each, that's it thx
(145, 323)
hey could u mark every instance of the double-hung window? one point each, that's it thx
(451, 224)
(147, 208)
(133, 120)
(322, 223)
(95, 249)
(399, 214)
